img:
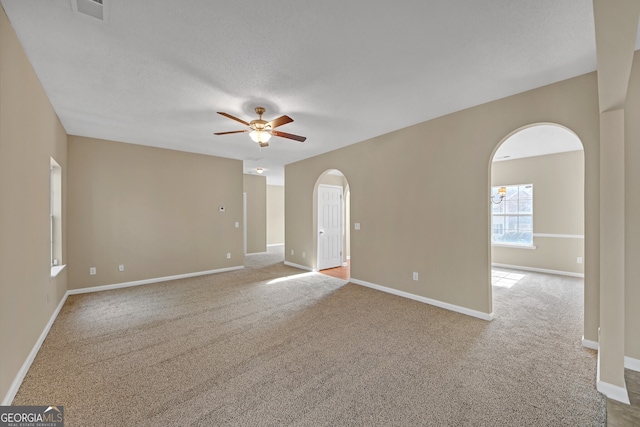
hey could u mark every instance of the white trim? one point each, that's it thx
(631, 363)
(275, 244)
(593, 345)
(611, 391)
(257, 253)
(445, 305)
(17, 381)
(301, 267)
(559, 236)
(345, 264)
(537, 270)
(514, 246)
(56, 269)
(348, 256)
(148, 281)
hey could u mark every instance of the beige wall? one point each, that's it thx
(632, 214)
(275, 214)
(30, 134)
(153, 210)
(401, 185)
(558, 209)
(256, 189)
(331, 179)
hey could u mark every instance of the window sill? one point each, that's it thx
(515, 246)
(56, 269)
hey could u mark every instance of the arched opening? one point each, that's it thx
(331, 220)
(537, 209)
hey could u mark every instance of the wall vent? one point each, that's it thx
(92, 8)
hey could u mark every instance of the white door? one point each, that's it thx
(329, 226)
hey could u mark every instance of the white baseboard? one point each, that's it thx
(445, 305)
(301, 267)
(593, 345)
(611, 391)
(148, 281)
(17, 381)
(631, 363)
(538, 270)
(272, 245)
(345, 264)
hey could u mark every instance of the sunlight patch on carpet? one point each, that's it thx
(287, 278)
(505, 279)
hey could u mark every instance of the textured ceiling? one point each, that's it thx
(156, 72)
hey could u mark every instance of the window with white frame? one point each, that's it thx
(512, 217)
(55, 212)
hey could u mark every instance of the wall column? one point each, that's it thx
(612, 249)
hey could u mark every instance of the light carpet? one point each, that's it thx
(271, 345)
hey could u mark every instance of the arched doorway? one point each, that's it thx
(537, 204)
(331, 221)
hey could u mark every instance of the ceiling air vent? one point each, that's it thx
(93, 8)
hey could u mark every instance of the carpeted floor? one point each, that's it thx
(271, 345)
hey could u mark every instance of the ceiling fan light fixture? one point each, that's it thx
(259, 170)
(260, 136)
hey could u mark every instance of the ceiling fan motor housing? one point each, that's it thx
(259, 124)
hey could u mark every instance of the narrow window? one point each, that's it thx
(55, 212)
(512, 216)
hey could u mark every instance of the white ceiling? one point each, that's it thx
(537, 141)
(156, 72)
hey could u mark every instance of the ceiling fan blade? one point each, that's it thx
(233, 131)
(283, 120)
(288, 135)
(233, 118)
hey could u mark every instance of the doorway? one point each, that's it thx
(331, 222)
(536, 207)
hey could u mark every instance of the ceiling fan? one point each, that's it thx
(261, 130)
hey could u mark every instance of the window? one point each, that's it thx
(55, 214)
(512, 218)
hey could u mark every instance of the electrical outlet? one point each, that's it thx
(304, 255)
(356, 226)
(291, 251)
(92, 271)
(228, 255)
(415, 276)
(121, 267)
(237, 225)
(579, 261)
